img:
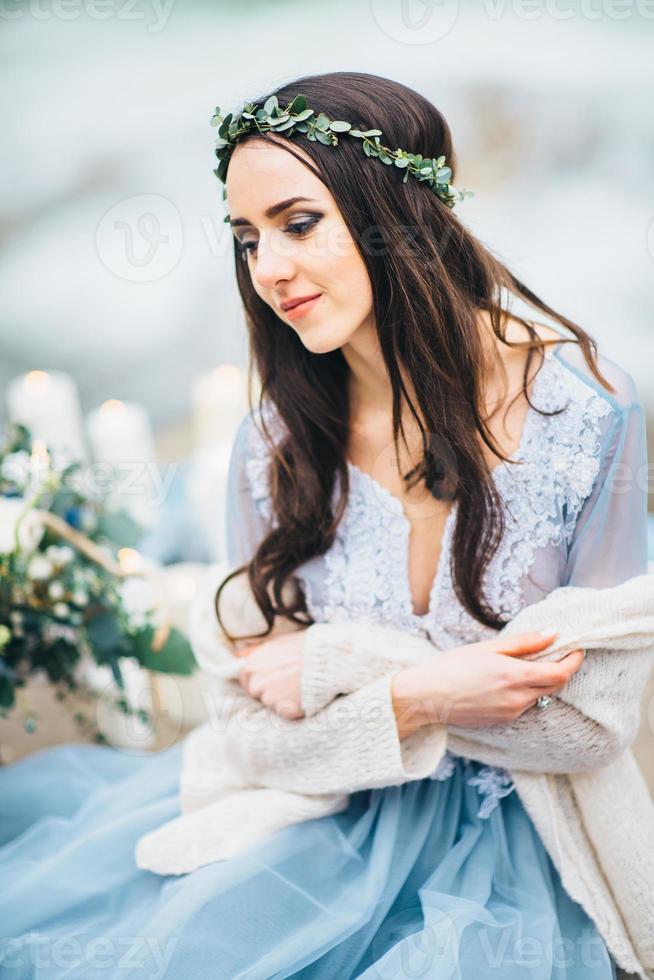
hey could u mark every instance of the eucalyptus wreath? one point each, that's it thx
(297, 117)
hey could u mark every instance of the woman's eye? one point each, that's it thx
(296, 228)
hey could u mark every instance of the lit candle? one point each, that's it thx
(207, 495)
(120, 434)
(185, 701)
(219, 400)
(47, 402)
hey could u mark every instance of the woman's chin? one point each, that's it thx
(319, 340)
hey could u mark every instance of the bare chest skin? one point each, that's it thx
(371, 449)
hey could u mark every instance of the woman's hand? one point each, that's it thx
(272, 670)
(472, 686)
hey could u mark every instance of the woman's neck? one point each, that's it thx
(370, 393)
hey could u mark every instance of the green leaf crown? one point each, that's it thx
(298, 118)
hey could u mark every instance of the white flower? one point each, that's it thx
(60, 554)
(30, 531)
(39, 568)
(60, 609)
(89, 521)
(56, 590)
(138, 598)
(80, 598)
(16, 466)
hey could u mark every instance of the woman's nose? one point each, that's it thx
(272, 264)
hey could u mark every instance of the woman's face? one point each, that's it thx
(303, 250)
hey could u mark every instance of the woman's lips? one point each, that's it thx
(302, 308)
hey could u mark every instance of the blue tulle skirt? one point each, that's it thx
(408, 881)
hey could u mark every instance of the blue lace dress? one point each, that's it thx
(443, 877)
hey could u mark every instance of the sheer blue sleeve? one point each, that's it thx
(609, 543)
(246, 523)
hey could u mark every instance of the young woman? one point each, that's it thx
(427, 460)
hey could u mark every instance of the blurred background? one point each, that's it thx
(121, 329)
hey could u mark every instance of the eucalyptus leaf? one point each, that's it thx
(174, 657)
(270, 104)
(285, 125)
(299, 104)
(401, 162)
(338, 126)
(7, 697)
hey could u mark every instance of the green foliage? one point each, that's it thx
(174, 657)
(60, 601)
(296, 117)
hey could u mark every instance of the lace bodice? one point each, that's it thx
(364, 575)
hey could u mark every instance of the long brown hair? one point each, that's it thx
(429, 286)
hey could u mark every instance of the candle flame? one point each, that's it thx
(112, 405)
(225, 372)
(131, 560)
(40, 452)
(37, 381)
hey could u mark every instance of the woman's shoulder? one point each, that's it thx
(260, 424)
(252, 450)
(624, 395)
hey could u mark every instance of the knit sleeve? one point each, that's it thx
(352, 744)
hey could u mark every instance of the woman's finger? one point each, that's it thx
(556, 672)
(521, 643)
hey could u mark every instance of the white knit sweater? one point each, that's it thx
(248, 772)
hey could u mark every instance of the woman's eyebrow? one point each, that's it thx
(273, 210)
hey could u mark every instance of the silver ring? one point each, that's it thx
(544, 701)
